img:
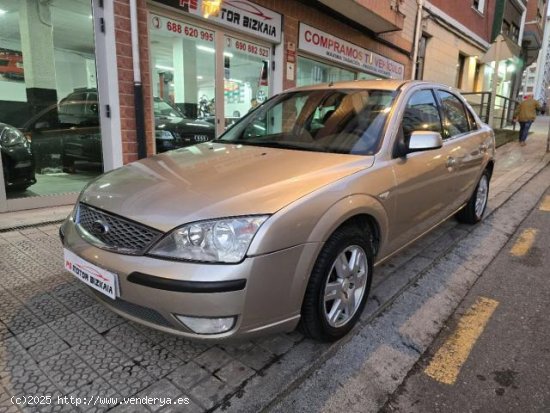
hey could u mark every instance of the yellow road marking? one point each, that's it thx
(447, 361)
(524, 242)
(545, 204)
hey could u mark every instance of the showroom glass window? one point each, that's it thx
(311, 72)
(246, 77)
(184, 68)
(49, 123)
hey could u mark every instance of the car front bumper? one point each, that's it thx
(264, 292)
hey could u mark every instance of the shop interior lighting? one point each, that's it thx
(211, 8)
(171, 69)
(2, 12)
(212, 50)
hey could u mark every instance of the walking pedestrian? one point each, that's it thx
(525, 114)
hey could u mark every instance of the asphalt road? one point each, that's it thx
(493, 355)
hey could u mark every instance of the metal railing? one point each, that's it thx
(504, 107)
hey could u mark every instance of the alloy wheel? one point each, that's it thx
(345, 286)
(481, 196)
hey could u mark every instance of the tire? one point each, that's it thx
(68, 164)
(472, 213)
(351, 287)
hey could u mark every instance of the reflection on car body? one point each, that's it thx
(281, 220)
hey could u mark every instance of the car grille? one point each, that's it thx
(121, 235)
(135, 310)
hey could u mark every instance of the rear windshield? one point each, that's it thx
(338, 121)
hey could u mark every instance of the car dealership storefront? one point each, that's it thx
(214, 68)
(50, 136)
(67, 79)
(327, 58)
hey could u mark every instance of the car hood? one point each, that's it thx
(215, 180)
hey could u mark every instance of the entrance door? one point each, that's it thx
(246, 77)
(183, 64)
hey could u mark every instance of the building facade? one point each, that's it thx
(87, 86)
(455, 36)
(76, 75)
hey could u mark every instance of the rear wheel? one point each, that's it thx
(339, 285)
(474, 209)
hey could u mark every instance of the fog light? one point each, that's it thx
(203, 325)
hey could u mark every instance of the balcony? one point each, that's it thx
(532, 42)
(377, 16)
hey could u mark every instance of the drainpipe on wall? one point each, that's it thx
(138, 88)
(417, 33)
(494, 82)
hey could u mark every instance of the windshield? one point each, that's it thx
(164, 109)
(339, 121)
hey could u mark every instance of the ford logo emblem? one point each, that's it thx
(99, 227)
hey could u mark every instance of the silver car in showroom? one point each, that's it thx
(280, 221)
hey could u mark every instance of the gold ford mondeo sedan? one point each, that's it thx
(280, 222)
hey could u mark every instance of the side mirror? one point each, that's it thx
(425, 141)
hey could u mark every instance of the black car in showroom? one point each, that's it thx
(67, 135)
(17, 160)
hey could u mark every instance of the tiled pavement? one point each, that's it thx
(56, 340)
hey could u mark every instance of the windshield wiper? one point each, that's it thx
(272, 144)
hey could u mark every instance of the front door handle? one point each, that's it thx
(451, 162)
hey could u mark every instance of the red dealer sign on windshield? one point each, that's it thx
(330, 47)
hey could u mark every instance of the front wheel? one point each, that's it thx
(474, 209)
(339, 285)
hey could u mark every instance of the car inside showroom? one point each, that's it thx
(49, 126)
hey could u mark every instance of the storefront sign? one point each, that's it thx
(239, 15)
(242, 46)
(174, 27)
(325, 45)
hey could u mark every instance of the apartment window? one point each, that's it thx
(421, 58)
(479, 5)
(460, 70)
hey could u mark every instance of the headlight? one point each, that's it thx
(12, 137)
(164, 135)
(221, 240)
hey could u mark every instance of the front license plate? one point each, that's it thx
(99, 279)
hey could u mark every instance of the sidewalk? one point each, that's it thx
(411, 304)
(513, 161)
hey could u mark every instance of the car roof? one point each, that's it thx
(379, 84)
